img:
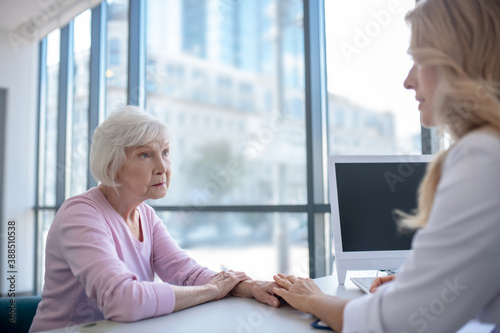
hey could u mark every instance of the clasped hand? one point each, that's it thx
(241, 285)
(223, 282)
(296, 291)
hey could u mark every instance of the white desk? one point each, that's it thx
(236, 315)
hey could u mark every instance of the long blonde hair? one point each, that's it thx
(461, 38)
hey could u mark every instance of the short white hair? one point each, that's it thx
(127, 127)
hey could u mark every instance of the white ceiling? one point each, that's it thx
(13, 13)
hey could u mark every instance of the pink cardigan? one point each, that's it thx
(96, 269)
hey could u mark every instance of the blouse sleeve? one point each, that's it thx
(172, 264)
(90, 251)
(453, 271)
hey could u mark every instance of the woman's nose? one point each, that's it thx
(410, 82)
(161, 166)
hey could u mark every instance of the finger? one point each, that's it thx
(236, 275)
(280, 292)
(377, 282)
(270, 300)
(247, 277)
(282, 282)
(291, 278)
(242, 276)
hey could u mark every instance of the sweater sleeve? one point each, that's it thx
(453, 272)
(172, 264)
(90, 250)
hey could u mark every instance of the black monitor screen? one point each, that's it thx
(368, 194)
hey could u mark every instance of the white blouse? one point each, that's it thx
(453, 272)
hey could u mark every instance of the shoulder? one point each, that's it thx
(470, 171)
(89, 208)
(478, 152)
(82, 214)
(479, 141)
(91, 199)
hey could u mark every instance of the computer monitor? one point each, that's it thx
(364, 192)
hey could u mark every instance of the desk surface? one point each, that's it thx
(238, 315)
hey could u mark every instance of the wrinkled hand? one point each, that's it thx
(263, 292)
(380, 281)
(225, 281)
(297, 292)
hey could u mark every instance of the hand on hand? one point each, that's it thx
(263, 292)
(380, 281)
(225, 281)
(297, 292)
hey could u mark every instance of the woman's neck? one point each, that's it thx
(123, 204)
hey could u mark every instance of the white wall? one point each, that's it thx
(19, 75)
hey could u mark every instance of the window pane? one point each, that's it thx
(229, 82)
(117, 54)
(45, 218)
(78, 120)
(260, 244)
(369, 110)
(48, 168)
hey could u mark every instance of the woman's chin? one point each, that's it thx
(158, 194)
(427, 123)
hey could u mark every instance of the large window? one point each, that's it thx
(228, 146)
(241, 86)
(370, 111)
(208, 69)
(48, 122)
(116, 72)
(48, 170)
(228, 78)
(78, 134)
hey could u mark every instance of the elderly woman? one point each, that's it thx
(453, 273)
(106, 245)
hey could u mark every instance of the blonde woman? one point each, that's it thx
(453, 273)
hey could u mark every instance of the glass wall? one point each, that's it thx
(229, 82)
(77, 137)
(47, 169)
(228, 78)
(259, 244)
(369, 110)
(116, 54)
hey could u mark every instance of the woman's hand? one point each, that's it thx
(298, 292)
(225, 281)
(305, 295)
(380, 281)
(220, 285)
(263, 292)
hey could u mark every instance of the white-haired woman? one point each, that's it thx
(106, 245)
(453, 273)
